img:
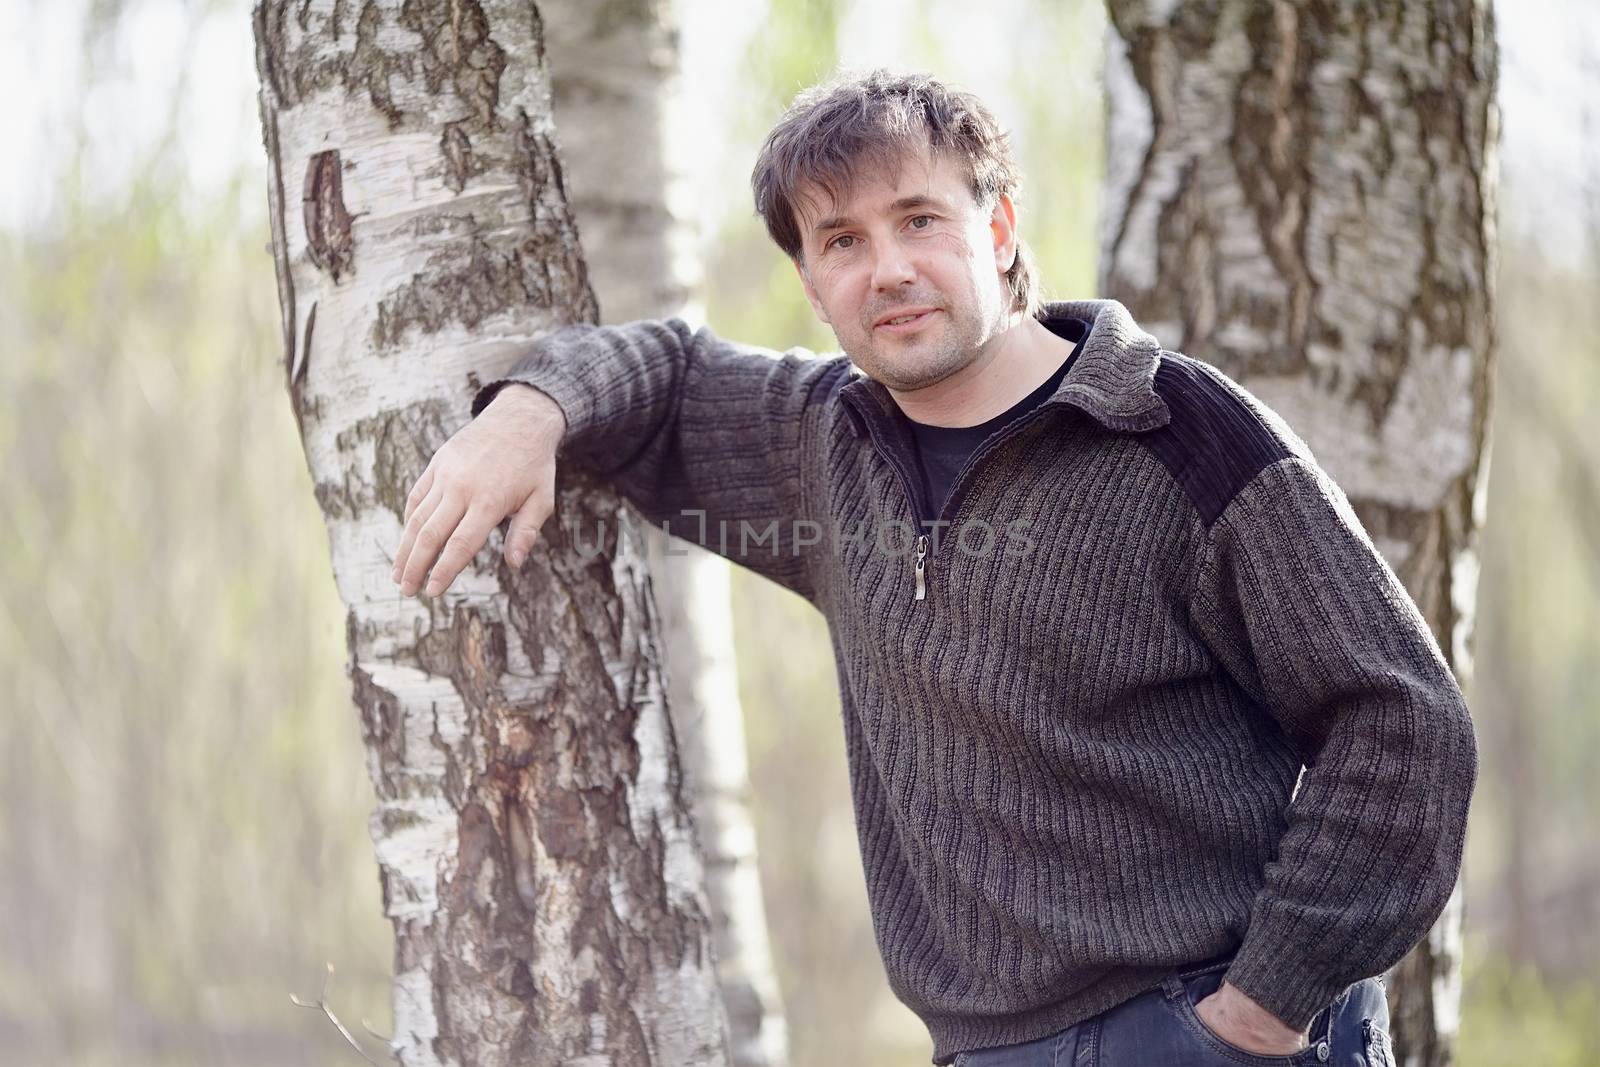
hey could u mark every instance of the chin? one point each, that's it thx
(916, 376)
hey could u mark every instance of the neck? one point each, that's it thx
(1008, 367)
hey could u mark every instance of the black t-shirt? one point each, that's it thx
(943, 450)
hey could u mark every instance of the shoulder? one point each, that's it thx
(1219, 435)
(825, 374)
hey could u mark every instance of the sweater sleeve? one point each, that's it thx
(1309, 619)
(705, 437)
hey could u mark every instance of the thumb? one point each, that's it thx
(525, 526)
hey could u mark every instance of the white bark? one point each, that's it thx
(1305, 196)
(624, 139)
(546, 892)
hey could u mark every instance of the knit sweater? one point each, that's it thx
(1075, 724)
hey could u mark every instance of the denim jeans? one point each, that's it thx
(1160, 1028)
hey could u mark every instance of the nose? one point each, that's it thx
(891, 267)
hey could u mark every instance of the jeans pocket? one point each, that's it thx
(1196, 988)
(1375, 1043)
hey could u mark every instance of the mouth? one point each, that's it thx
(906, 321)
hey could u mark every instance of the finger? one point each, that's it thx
(525, 525)
(435, 531)
(419, 492)
(408, 537)
(462, 545)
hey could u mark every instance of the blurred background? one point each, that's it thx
(183, 797)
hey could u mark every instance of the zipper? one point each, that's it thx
(922, 552)
(918, 565)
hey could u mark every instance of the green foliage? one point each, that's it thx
(183, 795)
(1512, 1017)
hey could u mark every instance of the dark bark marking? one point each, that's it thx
(563, 824)
(524, 861)
(309, 67)
(335, 500)
(271, 44)
(403, 440)
(470, 651)
(457, 49)
(327, 221)
(477, 846)
(469, 285)
(537, 165)
(369, 65)
(1141, 45)
(466, 285)
(515, 979)
(263, 18)
(298, 372)
(1271, 145)
(489, 916)
(382, 720)
(456, 149)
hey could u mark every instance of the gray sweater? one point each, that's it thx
(1075, 724)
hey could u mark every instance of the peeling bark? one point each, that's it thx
(1304, 195)
(534, 847)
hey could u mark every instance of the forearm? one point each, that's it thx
(1294, 599)
(1370, 855)
(698, 433)
(528, 402)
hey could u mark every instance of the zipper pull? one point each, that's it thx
(922, 552)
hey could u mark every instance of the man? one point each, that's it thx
(1093, 606)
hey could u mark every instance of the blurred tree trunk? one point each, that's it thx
(614, 80)
(1305, 196)
(535, 856)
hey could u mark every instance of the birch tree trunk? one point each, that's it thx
(535, 856)
(614, 81)
(1305, 196)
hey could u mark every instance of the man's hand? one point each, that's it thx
(501, 462)
(1244, 1024)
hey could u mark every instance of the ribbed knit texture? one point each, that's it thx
(1072, 767)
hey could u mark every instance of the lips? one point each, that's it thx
(903, 319)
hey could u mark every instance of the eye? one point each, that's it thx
(838, 242)
(915, 219)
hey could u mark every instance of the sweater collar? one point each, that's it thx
(1112, 378)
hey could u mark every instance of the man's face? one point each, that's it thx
(913, 243)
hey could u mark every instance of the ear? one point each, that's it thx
(1003, 228)
(811, 291)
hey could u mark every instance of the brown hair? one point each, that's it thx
(832, 131)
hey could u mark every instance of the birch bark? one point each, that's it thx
(1304, 195)
(534, 850)
(614, 76)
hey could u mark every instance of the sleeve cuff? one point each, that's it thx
(1278, 975)
(567, 394)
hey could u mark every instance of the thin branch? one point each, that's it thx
(322, 1005)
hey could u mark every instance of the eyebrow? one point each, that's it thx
(905, 203)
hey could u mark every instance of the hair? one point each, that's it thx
(835, 131)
